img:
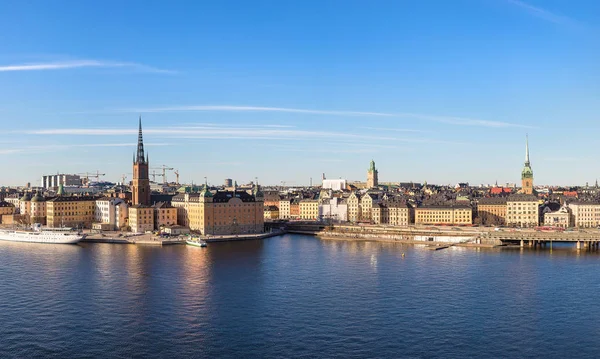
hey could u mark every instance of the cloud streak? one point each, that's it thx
(544, 14)
(460, 121)
(76, 64)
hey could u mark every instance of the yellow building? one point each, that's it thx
(492, 211)
(271, 213)
(38, 209)
(222, 213)
(354, 212)
(585, 214)
(141, 218)
(70, 211)
(392, 212)
(522, 210)
(309, 209)
(367, 202)
(444, 215)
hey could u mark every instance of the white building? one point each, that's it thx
(111, 211)
(335, 209)
(334, 184)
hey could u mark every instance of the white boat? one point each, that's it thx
(196, 243)
(39, 235)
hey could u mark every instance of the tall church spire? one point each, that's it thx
(140, 145)
(527, 151)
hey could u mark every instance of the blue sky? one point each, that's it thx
(436, 91)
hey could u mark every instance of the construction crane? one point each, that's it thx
(124, 177)
(96, 175)
(177, 176)
(164, 172)
(154, 174)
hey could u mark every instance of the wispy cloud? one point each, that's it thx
(209, 132)
(52, 147)
(391, 129)
(75, 64)
(544, 14)
(461, 121)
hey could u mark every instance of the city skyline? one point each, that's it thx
(442, 93)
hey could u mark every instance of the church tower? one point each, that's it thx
(141, 182)
(527, 173)
(372, 180)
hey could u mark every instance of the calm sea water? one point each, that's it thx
(296, 297)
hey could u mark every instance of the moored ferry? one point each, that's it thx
(41, 235)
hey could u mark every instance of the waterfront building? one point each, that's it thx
(271, 212)
(334, 209)
(309, 209)
(6, 209)
(522, 210)
(527, 173)
(585, 214)
(492, 211)
(394, 212)
(70, 211)
(354, 209)
(560, 218)
(284, 208)
(367, 201)
(108, 213)
(141, 218)
(221, 213)
(141, 180)
(25, 204)
(165, 215)
(372, 176)
(444, 214)
(37, 209)
(295, 209)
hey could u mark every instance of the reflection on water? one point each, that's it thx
(296, 296)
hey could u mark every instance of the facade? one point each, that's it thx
(141, 218)
(107, 212)
(333, 209)
(140, 185)
(492, 211)
(221, 213)
(354, 209)
(560, 218)
(76, 212)
(37, 209)
(447, 215)
(295, 209)
(165, 215)
(367, 202)
(284, 209)
(522, 210)
(585, 214)
(309, 209)
(527, 173)
(393, 212)
(6, 209)
(271, 213)
(372, 176)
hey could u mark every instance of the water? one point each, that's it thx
(296, 297)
